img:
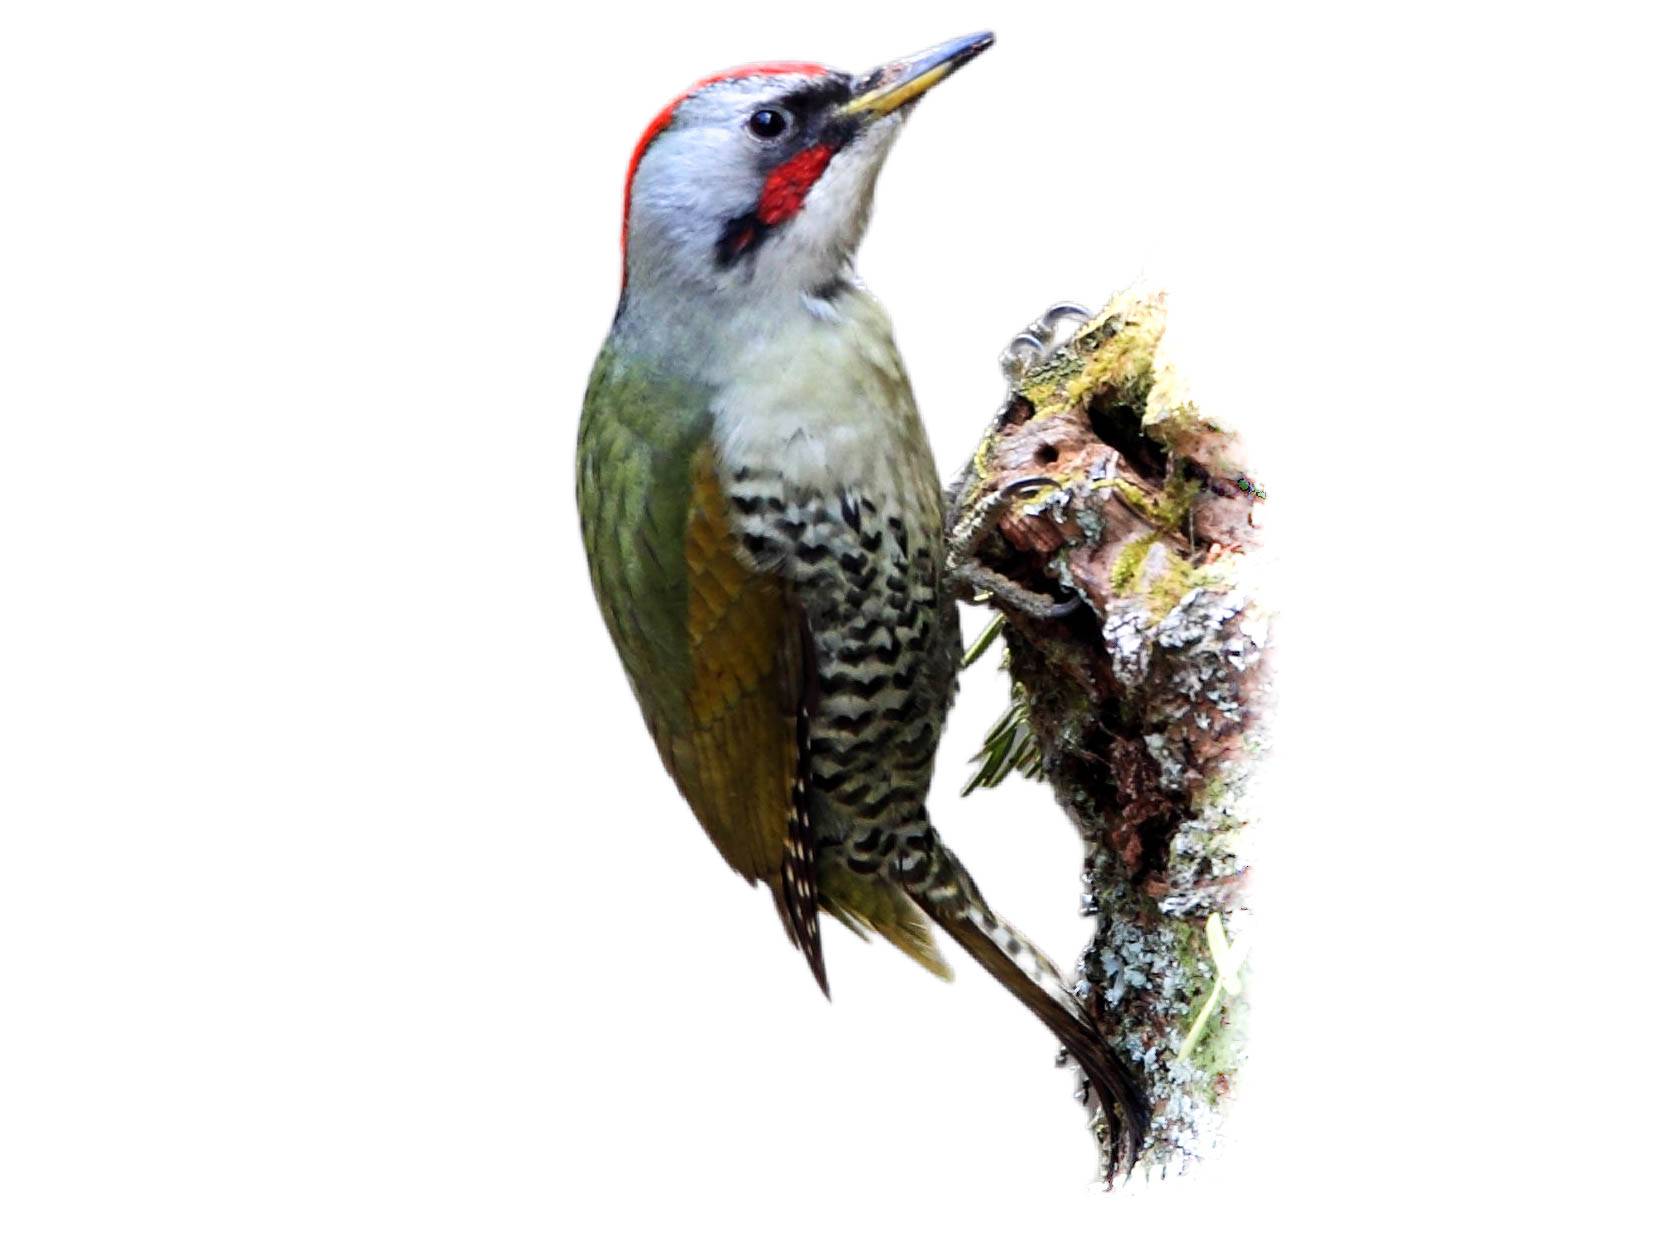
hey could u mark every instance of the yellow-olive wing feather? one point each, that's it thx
(713, 649)
(741, 760)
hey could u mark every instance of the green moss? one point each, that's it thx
(1193, 955)
(1197, 977)
(1166, 510)
(1177, 581)
(1043, 387)
(1171, 586)
(1178, 495)
(1123, 363)
(1135, 497)
(1126, 570)
(1219, 1049)
(1175, 423)
(1181, 416)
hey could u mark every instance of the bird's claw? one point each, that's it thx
(1031, 346)
(1036, 341)
(978, 581)
(973, 577)
(969, 530)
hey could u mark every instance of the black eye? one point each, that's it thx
(768, 123)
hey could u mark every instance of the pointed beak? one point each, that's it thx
(894, 85)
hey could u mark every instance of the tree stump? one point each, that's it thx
(1144, 708)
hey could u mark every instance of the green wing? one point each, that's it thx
(713, 649)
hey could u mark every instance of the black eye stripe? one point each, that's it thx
(817, 94)
(807, 106)
(811, 109)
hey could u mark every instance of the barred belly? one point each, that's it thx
(886, 643)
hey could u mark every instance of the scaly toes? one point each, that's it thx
(972, 528)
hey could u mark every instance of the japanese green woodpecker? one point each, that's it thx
(764, 524)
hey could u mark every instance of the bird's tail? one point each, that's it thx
(950, 897)
(873, 903)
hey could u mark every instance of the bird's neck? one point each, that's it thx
(810, 385)
(710, 335)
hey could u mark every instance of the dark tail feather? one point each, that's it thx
(953, 901)
(796, 889)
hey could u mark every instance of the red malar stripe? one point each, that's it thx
(789, 184)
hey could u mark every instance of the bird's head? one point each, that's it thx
(757, 182)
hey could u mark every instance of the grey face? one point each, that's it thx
(755, 180)
(795, 137)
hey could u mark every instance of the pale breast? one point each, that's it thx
(833, 486)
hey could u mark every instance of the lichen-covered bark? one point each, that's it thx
(1144, 709)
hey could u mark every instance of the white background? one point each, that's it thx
(341, 896)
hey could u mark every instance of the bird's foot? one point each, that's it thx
(1037, 340)
(972, 578)
(972, 528)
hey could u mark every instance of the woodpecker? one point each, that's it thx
(765, 526)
